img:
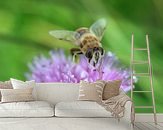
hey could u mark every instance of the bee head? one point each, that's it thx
(94, 55)
(98, 53)
(89, 54)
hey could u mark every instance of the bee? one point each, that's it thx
(88, 41)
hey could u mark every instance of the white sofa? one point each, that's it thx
(57, 108)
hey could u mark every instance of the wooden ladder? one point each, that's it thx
(148, 74)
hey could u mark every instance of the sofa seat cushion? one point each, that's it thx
(26, 109)
(80, 109)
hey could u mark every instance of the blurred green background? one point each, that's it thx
(24, 26)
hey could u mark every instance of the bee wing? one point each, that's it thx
(98, 28)
(65, 35)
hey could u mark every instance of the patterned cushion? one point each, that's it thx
(16, 95)
(111, 89)
(5, 85)
(91, 91)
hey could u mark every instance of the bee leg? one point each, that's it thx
(94, 64)
(102, 51)
(73, 58)
(89, 60)
(74, 52)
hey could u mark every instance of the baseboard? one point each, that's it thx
(148, 117)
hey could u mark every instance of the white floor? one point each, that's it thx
(148, 126)
(62, 124)
(73, 124)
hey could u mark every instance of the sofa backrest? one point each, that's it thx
(57, 92)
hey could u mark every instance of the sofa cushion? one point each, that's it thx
(26, 109)
(111, 89)
(5, 85)
(91, 91)
(18, 84)
(80, 109)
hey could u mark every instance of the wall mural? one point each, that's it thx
(27, 51)
(94, 63)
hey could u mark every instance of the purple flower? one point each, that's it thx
(59, 68)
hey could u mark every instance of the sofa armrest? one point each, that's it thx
(127, 119)
(127, 112)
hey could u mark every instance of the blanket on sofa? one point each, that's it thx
(116, 105)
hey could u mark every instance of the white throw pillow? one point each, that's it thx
(18, 84)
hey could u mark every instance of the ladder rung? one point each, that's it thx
(142, 91)
(140, 62)
(140, 49)
(141, 74)
(143, 106)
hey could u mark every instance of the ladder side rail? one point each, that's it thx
(131, 64)
(151, 80)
